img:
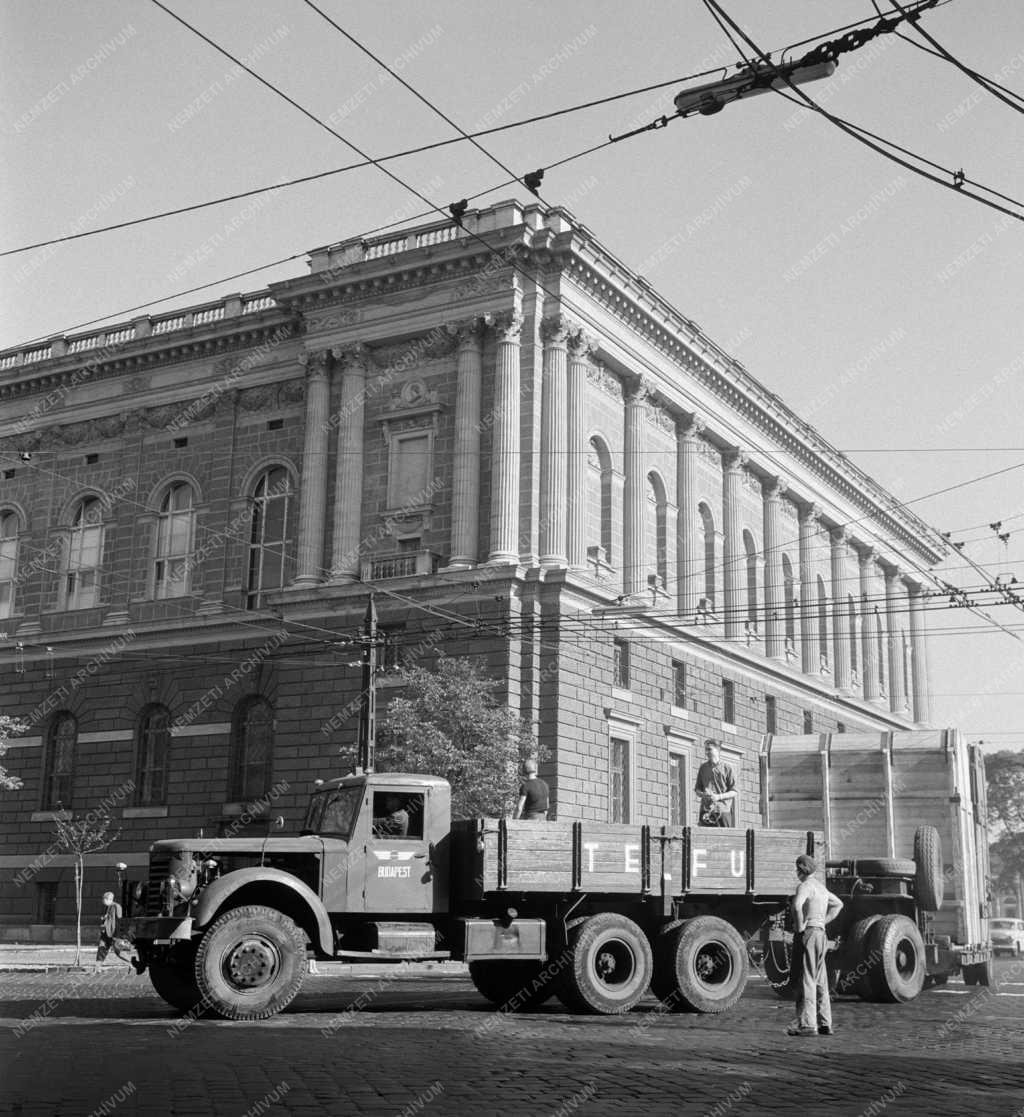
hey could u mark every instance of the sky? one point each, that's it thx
(884, 308)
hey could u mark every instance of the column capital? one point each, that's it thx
(809, 513)
(355, 358)
(866, 555)
(555, 329)
(691, 426)
(774, 488)
(637, 390)
(507, 325)
(893, 573)
(316, 362)
(839, 535)
(581, 342)
(468, 331)
(734, 460)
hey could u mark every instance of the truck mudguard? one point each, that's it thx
(214, 896)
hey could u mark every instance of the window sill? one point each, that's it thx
(51, 816)
(728, 727)
(621, 694)
(144, 812)
(680, 712)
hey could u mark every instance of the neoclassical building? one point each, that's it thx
(519, 446)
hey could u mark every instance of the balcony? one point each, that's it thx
(404, 564)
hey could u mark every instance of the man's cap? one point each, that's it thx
(712, 741)
(806, 864)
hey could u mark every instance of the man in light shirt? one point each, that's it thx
(813, 908)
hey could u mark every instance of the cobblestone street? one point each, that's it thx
(76, 1044)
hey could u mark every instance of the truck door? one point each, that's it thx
(399, 876)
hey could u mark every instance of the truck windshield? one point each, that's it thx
(334, 812)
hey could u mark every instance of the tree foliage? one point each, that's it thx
(9, 727)
(447, 723)
(1004, 777)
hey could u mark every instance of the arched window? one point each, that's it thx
(85, 553)
(599, 500)
(269, 541)
(58, 780)
(8, 561)
(789, 592)
(707, 522)
(750, 549)
(656, 533)
(174, 537)
(851, 612)
(822, 623)
(252, 749)
(152, 751)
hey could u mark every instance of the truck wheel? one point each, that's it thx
(986, 972)
(609, 968)
(970, 975)
(250, 963)
(512, 985)
(778, 968)
(853, 977)
(175, 982)
(885, 867)
(929, 879)
(897, 951)
(706, 959)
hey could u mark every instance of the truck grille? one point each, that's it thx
(159, 863)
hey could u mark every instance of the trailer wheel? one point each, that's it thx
(609, 968)
(885, 867)
(897, 951)
(929, 878)
(250, 963)
(513, 985)
(981, 973)
(175, 982)
(705, 960)
(853, 977)
(970, 975)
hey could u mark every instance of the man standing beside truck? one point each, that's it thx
(534, 797)
(813, 908)
(716, 786)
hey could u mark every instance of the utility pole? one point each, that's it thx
(368, 695)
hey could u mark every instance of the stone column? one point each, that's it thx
(553, 445)
(633, 571)
(869, 645)
(580, 346)
(810, 660)
(689, 556)
(504, 544)
(919, 655)
(466, 453)
(313, 494)
(348, 475)
(774, 590)
(733, 555)
(840, 616)
(893, 605)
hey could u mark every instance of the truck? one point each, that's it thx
(902, 815)
(595, 913)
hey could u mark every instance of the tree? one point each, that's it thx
(447, 723)
(1004, 779)
(9, 727)
(88, 835)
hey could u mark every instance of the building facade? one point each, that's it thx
(526, 453)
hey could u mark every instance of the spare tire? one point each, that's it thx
(929, 879)
(885, 867)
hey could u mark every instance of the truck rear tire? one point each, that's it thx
(704, 962)
(175, 982)
(513, 985)
(609, 968)
(250, 963)
(981, 973)
(853, 977)
(897, 950)
(929, 879)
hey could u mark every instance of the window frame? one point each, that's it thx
(73, 596)
(9, 543)
(164, 554)
(728, 702)
(238, 788)
(680, 749)
(59, 787)
(145, 795)
(621, 677)
(626, 733)
(257, 549)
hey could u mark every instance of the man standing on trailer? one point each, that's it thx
(813, 908)
(716, 786)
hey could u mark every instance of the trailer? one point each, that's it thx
(898, 812)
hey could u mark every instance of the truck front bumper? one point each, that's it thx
(160, 928)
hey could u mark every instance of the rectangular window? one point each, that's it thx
(409, 470)
(808, 721)
(678, 788)
(771, 715)
(679, 685)
(46, 901)
(620, 664)
(619, 780)
(391, 651)
(728, 702)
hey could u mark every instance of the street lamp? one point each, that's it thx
(713, 96)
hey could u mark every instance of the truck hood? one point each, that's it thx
(225, 847)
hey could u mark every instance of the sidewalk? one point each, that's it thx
(60, 958)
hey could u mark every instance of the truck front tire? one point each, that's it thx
(703, 961)
(513, 985)
(610, 966)
(250, 963)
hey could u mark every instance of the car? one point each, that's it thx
(1007, 936)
